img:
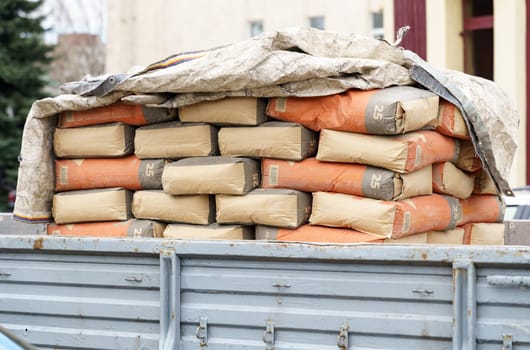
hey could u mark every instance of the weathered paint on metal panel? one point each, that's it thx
(83, 293)
(80, 301)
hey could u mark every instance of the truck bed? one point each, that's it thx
(86, 293)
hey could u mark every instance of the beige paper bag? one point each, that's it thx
(281, 208)
(98, 141)
(227, 111)
(158, 205)
(211, 175)
(92, 205)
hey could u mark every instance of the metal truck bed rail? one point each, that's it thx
(84, 293)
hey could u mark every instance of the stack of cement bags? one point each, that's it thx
(126, 170)
(392, 165)
(97, 172)
(232, 178)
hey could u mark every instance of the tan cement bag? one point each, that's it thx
(389, 111)
(448, 179)
(281, 208)
(356, 179)
(484, 234)
(127, 172)
(468, 160)
(92, 205)
(455, 236)
(417, 238)
(175, 140)
(213, 231)
(316, 234)
(403, 153)
(158, 205)
(98, 141)
(484, 183)
(227, 111)
(390, 219)
(272, 140)
(211, 175)
(131, 228)
(451, 122)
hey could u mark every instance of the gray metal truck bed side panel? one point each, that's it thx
(83, 293)
(74, 300)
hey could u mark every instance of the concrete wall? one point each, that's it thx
(141, 32)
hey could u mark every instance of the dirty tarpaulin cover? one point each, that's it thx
(291, 62)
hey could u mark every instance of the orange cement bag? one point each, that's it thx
(390, 219)
(389, 111)
(481, 208)
(402, 153)
(130, 228)
(448, 179)
(484, 234)
(451, 122)
(317, 234)
(467, 159)
(356, 179)
(129, 172)
(118, 112)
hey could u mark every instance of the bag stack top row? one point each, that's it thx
(360, 166)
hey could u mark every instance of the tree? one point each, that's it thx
(23, 65)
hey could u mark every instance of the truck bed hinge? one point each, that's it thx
(268, 335)
(202, 331)
(507, 342)
(342, 339)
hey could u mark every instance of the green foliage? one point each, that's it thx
(23, 62)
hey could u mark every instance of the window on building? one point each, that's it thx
(316, 22)
(256, 27)
(478, 37)
(378, 30)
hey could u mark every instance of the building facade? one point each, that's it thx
(141, 32)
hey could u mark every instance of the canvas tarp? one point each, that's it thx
(291, 62)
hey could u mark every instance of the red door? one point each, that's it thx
(412, 13)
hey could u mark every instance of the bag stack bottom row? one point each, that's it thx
(393, 165)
